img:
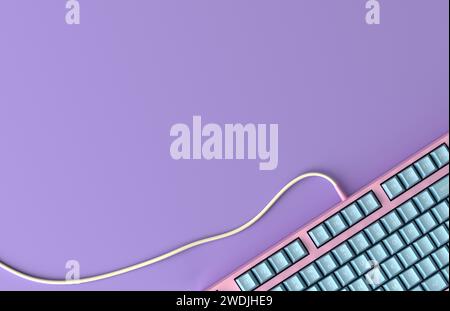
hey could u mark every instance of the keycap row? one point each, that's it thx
(436, 282)
(392, 234)
(406, 271)
(344, 219)
(416, 172)
(272, 266)
(403, 271)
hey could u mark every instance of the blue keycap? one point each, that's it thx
(329, 284)
(247, 281)
(377, 253)
(369, 203)
(391, 222)
(441, 257)
(393, 243)
(440, 211)
(359, 243)
(345, 275)
(408, 257)
(278, 288)
(445, 274)
(335, 225)
(375, 232)
(409, 177)
(359, 286)
(439, 235)
(440, 156)
(279, 261)
(417, 289)
(310, 274)
(393, 187)
(426, 222)
(314, 288)
(391, 267)
(407, 211)
(440, 189)
(361, 264)
(342, 253)
(426, 267)
(425, 167)
(424, 246)
(352, 214)
(424, 200)
(410, 278)
(263, 272)
(435, 283)
(320, 235)
(410, 233)
(375, 277)
(393, 286)
(294, 284)
(295, 251)
(326, 263)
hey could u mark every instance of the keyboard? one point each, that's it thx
(392, 235)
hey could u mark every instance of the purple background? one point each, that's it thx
(85, 113)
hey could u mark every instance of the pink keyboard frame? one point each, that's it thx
(229, 284)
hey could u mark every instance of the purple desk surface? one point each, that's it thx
(85, 113)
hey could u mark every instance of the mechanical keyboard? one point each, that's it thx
(392, 235)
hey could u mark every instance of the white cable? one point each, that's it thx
(181, 248)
